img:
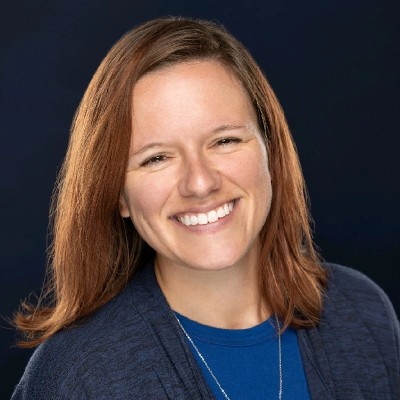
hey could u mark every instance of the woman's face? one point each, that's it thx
(197, 187)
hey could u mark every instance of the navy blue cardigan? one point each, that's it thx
(132, 348)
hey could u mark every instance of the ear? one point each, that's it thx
(123, 207)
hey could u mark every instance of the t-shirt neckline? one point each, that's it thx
(229, 337)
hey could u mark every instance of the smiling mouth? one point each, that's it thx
(208, 217)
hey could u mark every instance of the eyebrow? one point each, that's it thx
(223, 128)
(147, 147)
(219, 129)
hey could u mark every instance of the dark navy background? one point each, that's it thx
(333, 64)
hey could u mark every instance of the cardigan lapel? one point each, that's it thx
(316, 367)
(180, 374)
(350, 346)
(336, 354)
(325, 382)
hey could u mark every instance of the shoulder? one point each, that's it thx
(50, 363)
(347, 277)
(358, 336)
(75, 362)
(351, 281)
(358, 290)
(354, 304)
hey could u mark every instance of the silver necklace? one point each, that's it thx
(215, 378)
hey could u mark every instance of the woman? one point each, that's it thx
(182, 264)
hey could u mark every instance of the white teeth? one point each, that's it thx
(221, 212)
(211, 216)
(202, 219)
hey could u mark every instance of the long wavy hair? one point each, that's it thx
(94, 251)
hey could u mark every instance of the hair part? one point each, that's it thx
(94, 252)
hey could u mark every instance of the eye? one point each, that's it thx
(154, 160)
(228, 141)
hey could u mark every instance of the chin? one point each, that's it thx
(210, 262)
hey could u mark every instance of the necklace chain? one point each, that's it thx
(212, 373)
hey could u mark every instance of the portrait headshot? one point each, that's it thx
(201, 203)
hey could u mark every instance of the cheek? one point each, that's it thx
(145, 196)
(251, 171)
(254, 177)
(263, 177)
(263, 182)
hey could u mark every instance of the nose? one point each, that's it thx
(199, 178)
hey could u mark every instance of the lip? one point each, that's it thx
(203, 209)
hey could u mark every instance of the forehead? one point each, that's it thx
(204, 88)
(184, 68)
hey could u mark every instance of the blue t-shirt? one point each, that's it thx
(246, 361)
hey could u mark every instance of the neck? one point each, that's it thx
(226, 298)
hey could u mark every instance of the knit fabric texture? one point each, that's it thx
(133, 348)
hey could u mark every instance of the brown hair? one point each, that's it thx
(95, 252)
